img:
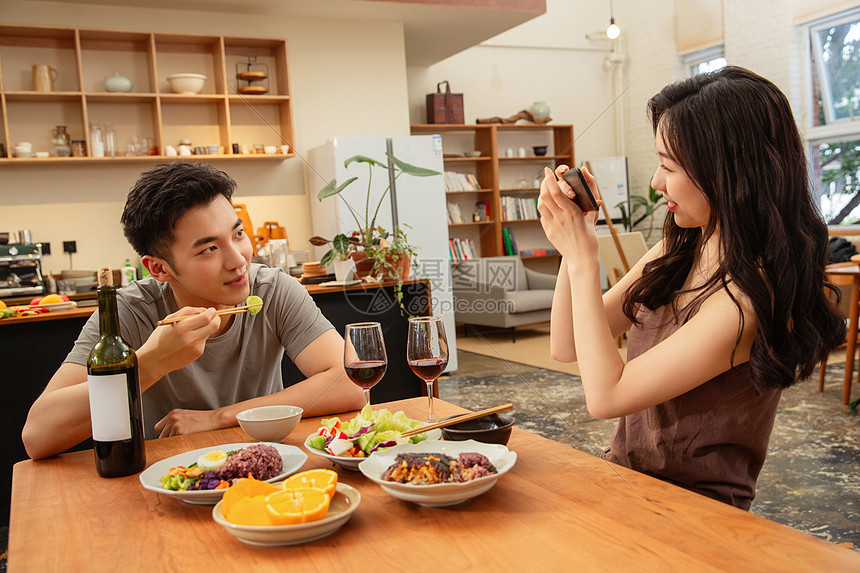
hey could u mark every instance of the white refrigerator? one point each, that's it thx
(418, 202)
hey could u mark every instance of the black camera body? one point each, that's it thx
(584, 198)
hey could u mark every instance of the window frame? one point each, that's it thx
(846, 129)
(695, 58)
(813, 45)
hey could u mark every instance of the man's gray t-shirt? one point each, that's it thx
(240, 364)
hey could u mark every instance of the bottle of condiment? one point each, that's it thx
(62, 142)
(110, 141)
(128, 273)
(114, 389)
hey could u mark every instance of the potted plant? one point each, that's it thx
(370, 240)
(647, 205)
(338, 255)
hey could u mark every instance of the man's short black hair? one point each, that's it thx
(162, 196)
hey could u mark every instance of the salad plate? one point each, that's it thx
(349, 462)
(150, 478)
(441, 494)
(344, 503)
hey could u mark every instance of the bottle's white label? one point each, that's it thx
(109, 410)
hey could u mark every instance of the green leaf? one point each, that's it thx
(340, 244)
(412, 169)
(326, 258)
(364, 159)
(333, 188)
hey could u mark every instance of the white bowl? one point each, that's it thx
(270, 423)
(343, 505)
(442, 494)
(349, 462)
(186, 83)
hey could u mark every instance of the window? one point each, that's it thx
(703, 61)
(833, 135)
(836, 68)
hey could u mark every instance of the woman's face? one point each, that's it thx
(686, 200)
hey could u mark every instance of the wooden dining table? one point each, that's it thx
(557, 509)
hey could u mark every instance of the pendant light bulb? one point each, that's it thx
(613, 31)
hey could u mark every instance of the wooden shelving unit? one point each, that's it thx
(500, 176)
(84, 58)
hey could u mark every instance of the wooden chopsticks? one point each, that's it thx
(222, 312)
(457, 420)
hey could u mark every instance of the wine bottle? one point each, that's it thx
(114, 389)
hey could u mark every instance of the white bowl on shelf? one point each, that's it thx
(186, 83)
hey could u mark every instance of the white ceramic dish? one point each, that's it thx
(350, 463)
(150, 478)
(439, 495)
(343, 505)
(186, 83)
(270, 423)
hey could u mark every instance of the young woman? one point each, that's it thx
(726, 311)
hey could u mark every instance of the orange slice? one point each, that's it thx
(244, 488)
(299, 505)
(249, 511)
(325, 480)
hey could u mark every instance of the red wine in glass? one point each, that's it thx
(429, 369)
(366, 373)
(427, 353)
(364, 357)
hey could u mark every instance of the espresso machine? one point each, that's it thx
(20, 269)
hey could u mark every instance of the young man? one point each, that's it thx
(197, 374)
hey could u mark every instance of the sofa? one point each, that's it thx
(500, 292)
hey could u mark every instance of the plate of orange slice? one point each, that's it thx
(304, 507)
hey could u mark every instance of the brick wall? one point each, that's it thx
(758, 35)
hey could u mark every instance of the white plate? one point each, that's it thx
(441, 494)
(343, 505)
(350, 463)
(150, 478)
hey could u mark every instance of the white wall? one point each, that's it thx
(333, 94)
(547, 58)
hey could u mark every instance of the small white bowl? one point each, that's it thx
(270, 423)
(186, 83)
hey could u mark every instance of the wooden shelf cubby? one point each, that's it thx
(84, 58)
(501, 176)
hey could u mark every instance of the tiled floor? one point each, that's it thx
(810, 481)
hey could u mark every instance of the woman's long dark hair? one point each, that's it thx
(733, 133)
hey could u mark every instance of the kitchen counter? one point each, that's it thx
(79, 312)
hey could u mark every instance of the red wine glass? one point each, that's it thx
(364, 357)
(427, 353)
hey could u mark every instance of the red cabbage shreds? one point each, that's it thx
(388, 444)
(209, 480)
(362, 431)
(261, 461)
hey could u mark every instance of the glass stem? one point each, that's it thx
(367, 396)
(431, 415)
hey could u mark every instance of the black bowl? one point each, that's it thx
(540, 150)
(492, 429)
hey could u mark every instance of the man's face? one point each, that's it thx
(211, 257)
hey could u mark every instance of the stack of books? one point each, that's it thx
(519, 208)
(455, 215)
(461, 181)
(461, 250)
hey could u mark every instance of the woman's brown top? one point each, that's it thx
(711, 440)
